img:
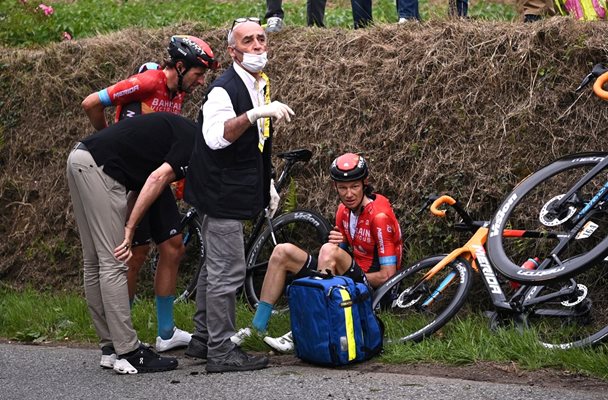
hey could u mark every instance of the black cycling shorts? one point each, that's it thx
(354, 272)
(161, 222)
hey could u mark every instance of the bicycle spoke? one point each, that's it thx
(302, 228)
(417, 309)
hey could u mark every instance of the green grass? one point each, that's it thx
(24, 24)
(29, 316)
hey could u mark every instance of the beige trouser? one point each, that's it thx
(100, 207)
(536, 7)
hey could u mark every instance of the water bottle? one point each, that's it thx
(530, 263)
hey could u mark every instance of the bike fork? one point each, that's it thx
(446, 281)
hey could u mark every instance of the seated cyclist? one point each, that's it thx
(365, 245)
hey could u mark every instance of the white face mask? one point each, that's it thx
(254, 62)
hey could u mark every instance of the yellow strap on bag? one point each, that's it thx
(350, 329)
(266, 129)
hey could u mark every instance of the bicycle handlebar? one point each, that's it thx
(598, 86)
(439, 202)
(455, 204)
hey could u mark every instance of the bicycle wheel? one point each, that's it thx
(527, 226)
(303, 228)
(578, 317)
(423, 306)
(194, 257)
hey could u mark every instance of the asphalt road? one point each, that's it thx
(38, 372)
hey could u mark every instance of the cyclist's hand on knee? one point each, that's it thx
(276, 110)
(336, 237)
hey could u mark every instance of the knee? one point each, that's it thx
(328, 252)
(138, 258)
(172, 249)
(281, 255)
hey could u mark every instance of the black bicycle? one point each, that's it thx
(304, 228)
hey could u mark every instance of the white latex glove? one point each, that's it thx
(276, 110)
(273, 206)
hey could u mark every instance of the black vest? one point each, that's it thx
(233, 182)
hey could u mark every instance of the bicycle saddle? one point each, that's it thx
(296, 155)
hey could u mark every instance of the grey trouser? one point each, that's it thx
(100, 209)
(221, 276)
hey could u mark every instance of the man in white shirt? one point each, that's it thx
(228, 181)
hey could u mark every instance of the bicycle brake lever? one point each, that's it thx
(598, 69)
(588, 79)
(427, 203)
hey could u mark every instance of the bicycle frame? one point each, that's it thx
(475, 253)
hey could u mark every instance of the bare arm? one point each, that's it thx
(154, 186)
(377, 279)
(94, 109)
(235, 127)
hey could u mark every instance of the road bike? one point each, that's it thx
(429, 293)
(304, 228)
(567, 199)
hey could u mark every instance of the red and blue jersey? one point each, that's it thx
(148, 91)
(377, 238)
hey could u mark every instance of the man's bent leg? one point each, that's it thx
(104, 200)
(334, 259)
(284, 258)
(138, 258)
(170, 252)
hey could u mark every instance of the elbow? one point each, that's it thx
(87, 103)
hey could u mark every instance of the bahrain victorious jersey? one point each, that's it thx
(377, 240)
(142, 94)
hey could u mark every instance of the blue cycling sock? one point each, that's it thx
(164, 316)
(262, 316)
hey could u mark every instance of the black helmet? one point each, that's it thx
(348, 167)
(192, 50)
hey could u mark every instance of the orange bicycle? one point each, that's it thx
(429, 293)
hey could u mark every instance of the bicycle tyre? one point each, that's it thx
(194, 257)
(400, 300)
(576, 320)
(304, 228)
(525, 208)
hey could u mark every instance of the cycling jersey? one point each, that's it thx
(377, 239)
(147, 91)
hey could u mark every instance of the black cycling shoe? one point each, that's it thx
(197, 348)
(144, 359)
(236, 360)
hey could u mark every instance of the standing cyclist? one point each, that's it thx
(365, 245)
(151, 91)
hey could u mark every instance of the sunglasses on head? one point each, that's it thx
(241, 20)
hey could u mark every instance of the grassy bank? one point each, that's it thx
(26, 24)
(29, 316)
